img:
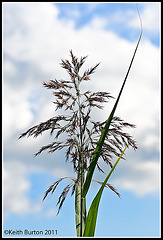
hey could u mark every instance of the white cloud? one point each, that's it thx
(149, 13)
(60, 172)
(8, 67)
(17, 114)
(98, 23)
(51, 213)
(151, 142)
(150, 17)
(142, 178)
(15, 189)
(31, 30)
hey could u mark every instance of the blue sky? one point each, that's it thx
(35, 37)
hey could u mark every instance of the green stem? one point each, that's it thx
(80, 203)
(80, 215)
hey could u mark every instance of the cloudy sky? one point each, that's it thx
(35, 38)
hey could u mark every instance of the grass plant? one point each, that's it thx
(86, 141)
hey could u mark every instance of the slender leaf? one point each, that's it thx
(92, 214)
(105, 130)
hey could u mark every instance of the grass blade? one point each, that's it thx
(93, 211)
(105, 130)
